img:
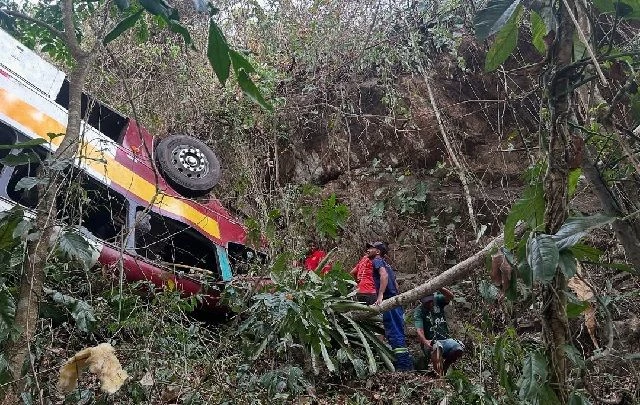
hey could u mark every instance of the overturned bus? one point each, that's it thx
(142, 210)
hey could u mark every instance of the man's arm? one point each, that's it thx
(354, 272)
(422, 337)
(419, 324)
(384, 280)
(448, 295)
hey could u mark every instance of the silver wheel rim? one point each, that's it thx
(190, 161)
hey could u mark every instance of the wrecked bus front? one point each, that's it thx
(141, 211)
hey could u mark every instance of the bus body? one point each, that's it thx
(180, 237)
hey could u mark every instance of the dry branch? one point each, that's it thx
(448, 277)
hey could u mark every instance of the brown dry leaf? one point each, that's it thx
(101, 361)
(590, 323)
(584, 293)
(580, 288)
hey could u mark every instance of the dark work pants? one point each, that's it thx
(394, 330)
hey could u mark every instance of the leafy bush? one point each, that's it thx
(304, 311)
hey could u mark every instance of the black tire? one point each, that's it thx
(188, 164)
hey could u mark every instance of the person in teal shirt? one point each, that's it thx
(433, 331)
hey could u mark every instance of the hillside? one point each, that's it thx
(394, 122)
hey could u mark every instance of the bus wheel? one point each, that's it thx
(188, 164)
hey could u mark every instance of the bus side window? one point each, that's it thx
(104, 212)
(26, 197)
(174, 244)
(7, 137)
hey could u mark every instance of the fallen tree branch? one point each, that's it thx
(446, 278)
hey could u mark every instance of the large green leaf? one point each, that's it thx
(157, 7)
(575, 307)
(239, 61)
(80, 310)
(500, 358)
(75, 246)
(567, 262)
(574, 177)
(530, 208)
(27, 183)
(20, 159)
(26, 144)
(584, 252)
(183, 31)
(7, 313)
(534, 375)
(505, 42)
(493, 17)
(543, 256)
(251, 90)
(122, 26)
(574, 355)
(218, 52)
(538, 32)
(575, 228)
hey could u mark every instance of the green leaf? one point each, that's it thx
(372, 362)
(218, 52)
(7, 313)
(567, 263)
(547, 396)
(538, 32)
(80, 310)
(584, 252)
(530, 208)
(576, 307)
(122, 26)
(574, 176)
(26, 144)
(575, 228)
(574, 355)
(505, 42)
(499, 355)
(183, 31)
(327, 359)
(493, 17)
(543, 256)
(75, 246)
(27, 183)
(122, 4)
(534, 375)
(157, 7)
(240, 62)
(331, 217)
(20, 159)
(251, 90)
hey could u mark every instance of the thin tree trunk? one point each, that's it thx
(32, 281)
(448, 277)
(555, 326)
(626, 231)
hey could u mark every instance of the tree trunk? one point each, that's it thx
(31, 283)
(446, 278)
(627, 231)
(555, 326)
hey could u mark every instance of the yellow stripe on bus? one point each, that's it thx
(41, 124)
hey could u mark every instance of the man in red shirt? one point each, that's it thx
(314, 257)
(363, 273)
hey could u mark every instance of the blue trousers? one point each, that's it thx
(393, 321)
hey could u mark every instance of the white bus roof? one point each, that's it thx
(26, 65)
